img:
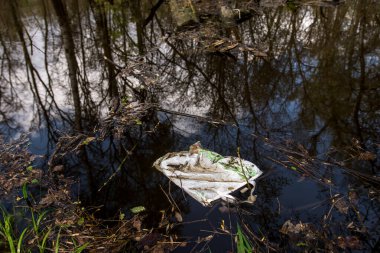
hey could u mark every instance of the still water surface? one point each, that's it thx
(315, 94)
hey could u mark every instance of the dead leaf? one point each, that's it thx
(306, 229)
(342, 206)
(178, 216)
(367, 156)
(46, 200)
(288, 227)
(351, 242)
(58, 169)
(341, 242)
(137, 225)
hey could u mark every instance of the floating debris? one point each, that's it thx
(207, 176)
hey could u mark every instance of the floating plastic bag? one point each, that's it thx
(206, 175)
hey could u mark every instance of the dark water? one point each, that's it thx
(316, 94)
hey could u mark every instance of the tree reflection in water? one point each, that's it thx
(64, 63)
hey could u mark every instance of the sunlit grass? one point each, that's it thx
(43, 237)
(5, 228)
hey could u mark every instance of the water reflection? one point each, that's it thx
(64, 63)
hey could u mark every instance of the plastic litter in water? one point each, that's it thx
(206, 175)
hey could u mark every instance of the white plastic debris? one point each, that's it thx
(206, 175)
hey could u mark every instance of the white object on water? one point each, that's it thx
(206, 175)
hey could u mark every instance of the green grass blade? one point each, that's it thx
(243, 244)
(19, 244)
(44, 241)
(6, 229)
(11, 243)
(40, 217)
(81, 248)
(34, 223)
(25, 191)
(57, 242)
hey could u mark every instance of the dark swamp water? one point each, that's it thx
(294, 87)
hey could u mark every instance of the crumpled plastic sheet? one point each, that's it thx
(206, 175)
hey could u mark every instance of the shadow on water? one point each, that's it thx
(295, 87)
